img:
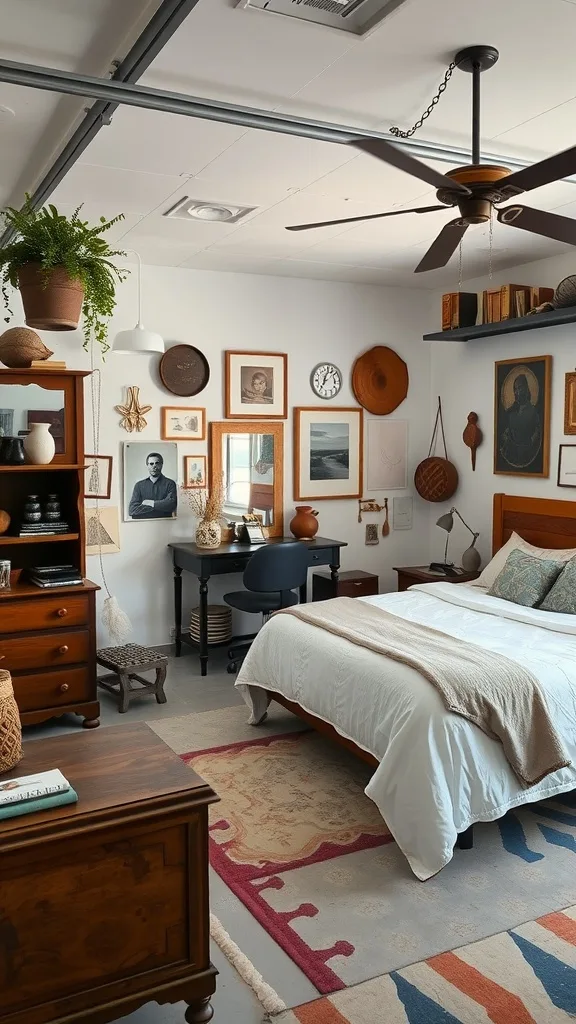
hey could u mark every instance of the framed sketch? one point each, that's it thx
(97, 476)
(402, 513)
(567, 465)
(150, 480)
(387, 452)
(327, 453)
(256, 385)
(183, 424)
(6, 422)
(522, 416)
(102, 530)
(569, 404)
(195, 471)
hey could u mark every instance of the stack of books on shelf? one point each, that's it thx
(32, 793)
(54, 576)
(492, 306)
(43, 529)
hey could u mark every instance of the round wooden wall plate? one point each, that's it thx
(380, 380)
(184, 370)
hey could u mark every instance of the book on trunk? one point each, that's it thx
(459, 309)
(33, 787)
(44, 803)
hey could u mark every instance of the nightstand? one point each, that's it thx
(410, 574)
(354, 583)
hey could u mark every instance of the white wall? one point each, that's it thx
(311, 321)
(463, 374)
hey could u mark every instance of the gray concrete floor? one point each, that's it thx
(234, 1002)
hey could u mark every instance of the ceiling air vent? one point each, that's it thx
(214, 212)
(356, 16)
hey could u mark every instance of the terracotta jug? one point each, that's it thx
(304, 525)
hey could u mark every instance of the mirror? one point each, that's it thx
(24, 404)
(249, 457)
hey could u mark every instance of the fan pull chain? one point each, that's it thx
(460, 266)
(441, 88)
(490, 238)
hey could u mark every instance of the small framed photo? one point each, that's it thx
(567, 465)
(256, 385)
(327, 453)
(97, 476)
(254, 533)
(195, 472)
(183, 424)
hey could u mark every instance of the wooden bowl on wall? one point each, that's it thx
(380, 380)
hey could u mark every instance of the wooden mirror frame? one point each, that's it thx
(217, 431)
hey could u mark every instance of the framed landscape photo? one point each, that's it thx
(150, 480)
(195, 472)
(327, 453)
(256, 385)
(570, 404)
(97, 476)
(567, 465)
(522, 416)
(183, 424)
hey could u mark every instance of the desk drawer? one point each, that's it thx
(48, 651)
(44, 613)
(52, 689)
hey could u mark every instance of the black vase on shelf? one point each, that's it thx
(32, 509)
(12, 451)
(52, 509)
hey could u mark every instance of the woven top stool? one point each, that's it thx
(123, 661)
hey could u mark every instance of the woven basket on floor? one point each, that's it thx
(10, 730)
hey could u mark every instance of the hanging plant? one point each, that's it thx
(62, 267)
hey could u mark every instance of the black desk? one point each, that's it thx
(207, 562)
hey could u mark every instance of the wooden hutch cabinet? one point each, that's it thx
(47, 636)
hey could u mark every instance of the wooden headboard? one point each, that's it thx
(544, 522)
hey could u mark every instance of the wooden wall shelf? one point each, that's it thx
(555, 318)
(42, 539)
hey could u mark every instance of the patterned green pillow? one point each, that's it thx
(562, 597)
(524, 579)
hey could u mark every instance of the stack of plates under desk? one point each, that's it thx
(219, 624)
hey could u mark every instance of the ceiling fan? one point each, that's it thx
(475, 189)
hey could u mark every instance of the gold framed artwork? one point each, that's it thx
(328, 453)
(256, 385)
(570, 403)
(195, 472)
(182, 423)
(522, 416)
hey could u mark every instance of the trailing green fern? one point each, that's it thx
(53, 240)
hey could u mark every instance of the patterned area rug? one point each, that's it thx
(523, 976)
(308, 854)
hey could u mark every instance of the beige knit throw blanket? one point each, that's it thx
(501, 697)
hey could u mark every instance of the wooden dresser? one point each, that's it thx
(48, 636)
(104, 903)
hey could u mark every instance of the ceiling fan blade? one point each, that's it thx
(370, 216)
(442, 248)
(391, 154)
(553, 168)
(551, 225)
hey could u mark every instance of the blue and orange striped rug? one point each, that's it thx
(526, 975)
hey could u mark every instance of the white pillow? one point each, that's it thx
(494, 568)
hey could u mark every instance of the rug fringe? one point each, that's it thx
(268, 997)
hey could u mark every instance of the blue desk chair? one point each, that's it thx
(271, 576)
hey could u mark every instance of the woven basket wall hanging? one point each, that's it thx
(380, 380)
(10, 730)
(436, 478)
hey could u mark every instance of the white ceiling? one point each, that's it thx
(145, 161)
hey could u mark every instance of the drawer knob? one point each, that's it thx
(62, 612)
(64, 688)
(63, 649)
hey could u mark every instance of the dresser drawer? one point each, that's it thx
(52, 689)
(44, 612)
(48, 651)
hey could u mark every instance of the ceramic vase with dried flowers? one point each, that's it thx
(208, 510)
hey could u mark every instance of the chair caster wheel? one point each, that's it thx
(232, 668)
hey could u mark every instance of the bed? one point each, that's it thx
(436, 773)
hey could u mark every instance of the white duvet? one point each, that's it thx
(438, 773)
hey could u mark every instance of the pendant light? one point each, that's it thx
(138, 339)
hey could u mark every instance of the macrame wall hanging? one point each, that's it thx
(436, 478)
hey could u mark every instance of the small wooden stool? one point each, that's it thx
(123, 661)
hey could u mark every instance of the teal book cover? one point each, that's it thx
(42, 804)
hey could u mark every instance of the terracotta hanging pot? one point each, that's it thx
(304, 525)
(52, 302)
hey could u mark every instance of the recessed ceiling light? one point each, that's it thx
(201, 209)
(211, 213)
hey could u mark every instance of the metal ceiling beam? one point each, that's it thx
(161, 27)
(117, 93)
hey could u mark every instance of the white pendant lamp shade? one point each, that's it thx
(138, 339)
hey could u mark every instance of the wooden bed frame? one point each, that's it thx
(544, 522)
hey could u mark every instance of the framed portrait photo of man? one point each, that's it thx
(256, 385)
(522, 416)
(150, 488)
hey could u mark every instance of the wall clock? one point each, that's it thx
(326, 380)
(184, 370)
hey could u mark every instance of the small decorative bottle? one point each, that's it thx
(32, 509)
(52, 509)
